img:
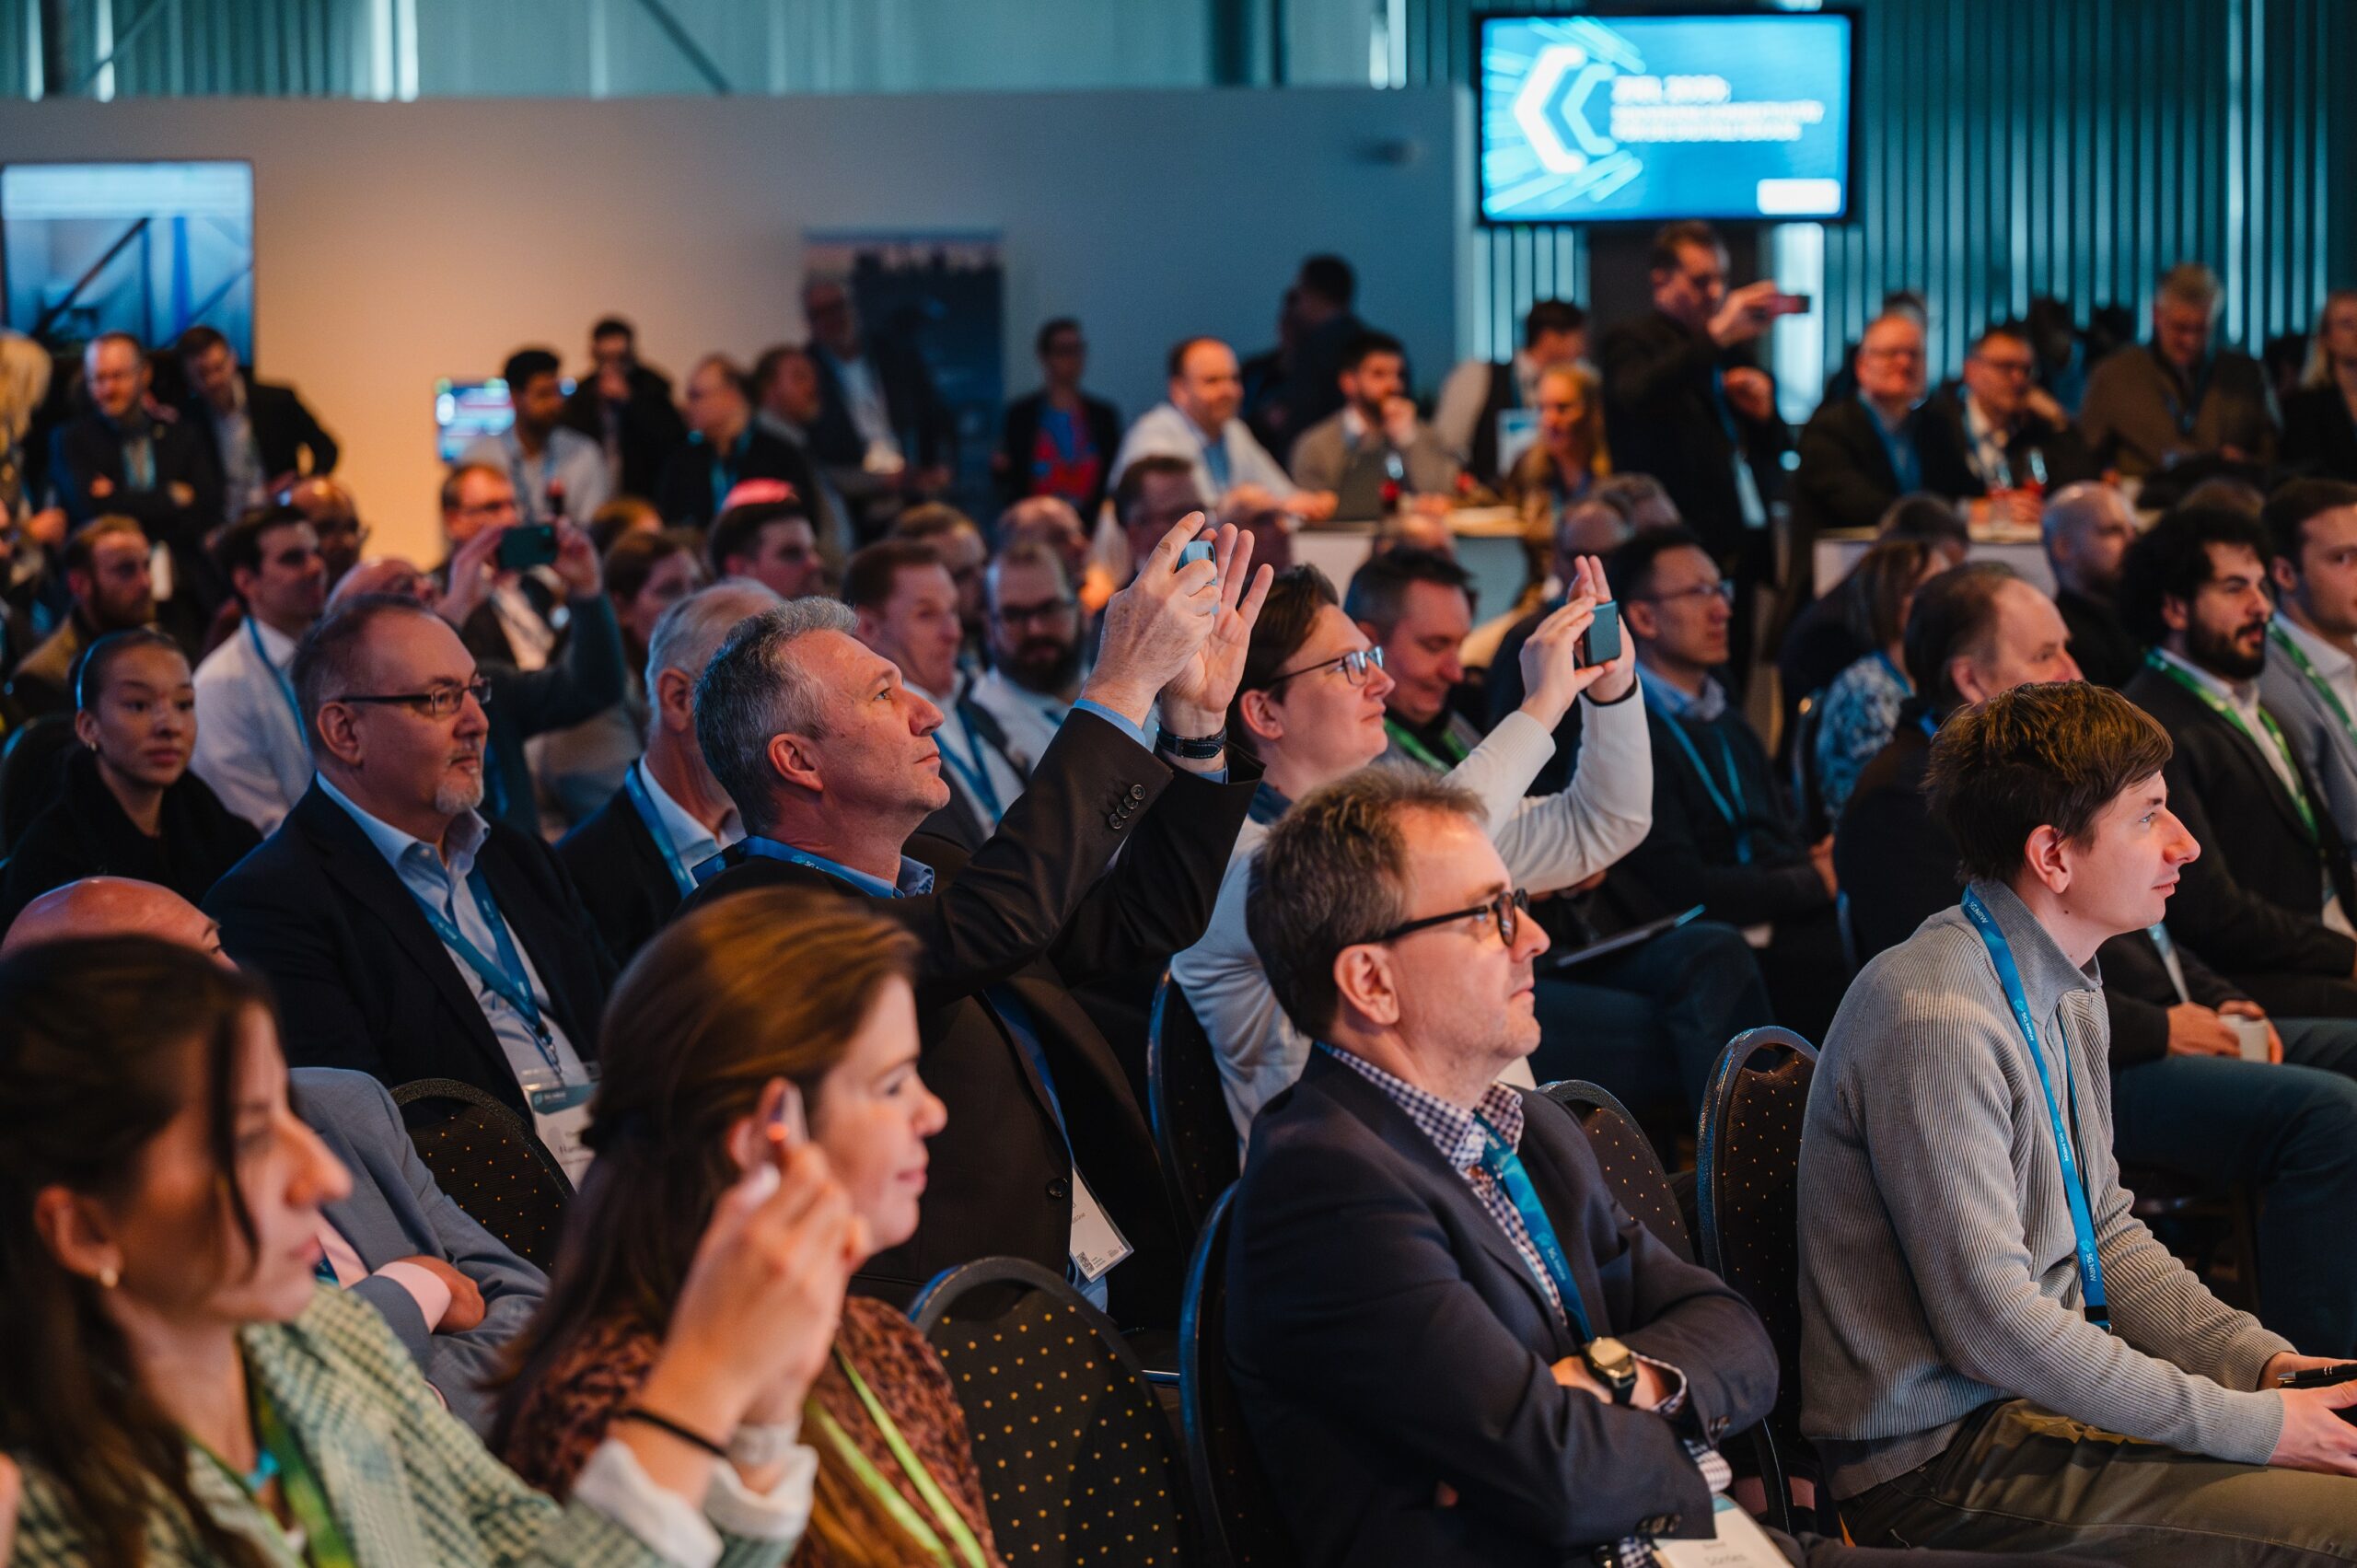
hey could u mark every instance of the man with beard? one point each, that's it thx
(2087, 530)
(2269, 901)
(1034, 638)
(107, 573)
(402, 934)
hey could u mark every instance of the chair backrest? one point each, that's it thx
(1748, 1174)
(490, 1162)
(1079, 1466)
(1234, 1500)
(29, 773)
(1629, 1161)
(1192, 1131)
(1808, 799)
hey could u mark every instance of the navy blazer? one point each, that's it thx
(1386, 1337)
(396, 1210)
(625, 881)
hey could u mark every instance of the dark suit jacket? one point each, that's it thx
(282, 425)
(1019, 432)
(1898, 868)
(86, 833)
(1845, 480)
(1386, 1337)
(581, 681)
(1034, 906)
(1689, 857)
(910, 400)
(2062, 452)
(90, 447)
(2103, 648)
(2318, 434)
(362, 982)
(649, 427)
(1662, 418)
(620, 871)
(684, 494)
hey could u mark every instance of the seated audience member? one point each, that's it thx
(906, 607)
(1647, 1023)
(830, 760)
(2152, 405)
(181, 1387)
(127, 805)
(2310, 682)
(1857, 712)
(2269, 900)
(764, 533)
(1309, 707)
(634, 860)
(1451, 1343)
(701, 1046)
(622, 515)
(1034, 677)
(119, 460)
(581, 767)
(1570, 455)
(874, 393)
(404, 934)
(516, 619)
(1197, 424)
(449, 1289)
(1835, 630)
(1466, 415)
(107, 574)
(555, 469)
(958, 544)
(625, 407)
(2087, 530)
(1723, 835)
(1995, 1352)
(724, 448)
(1153, 495)
(788, 404)
(2015, 441)
(2320, 418)
(335, 520)
(250, 742)
(263, 438)
(1372, 451)
(1058, 441)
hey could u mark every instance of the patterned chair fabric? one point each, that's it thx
(490, 1162)
(1078, 1463)
(1629, 1161)
(1192, 1133)
(1233, 1497)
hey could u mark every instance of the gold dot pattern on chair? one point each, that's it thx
(496, 1181)
(1075, 1454)
(1757, 1199)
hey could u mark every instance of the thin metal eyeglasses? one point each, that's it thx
(1722, 590)
(1355, 666)
(1506, 912)
(439, 704)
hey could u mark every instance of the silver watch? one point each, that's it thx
(756, 1446)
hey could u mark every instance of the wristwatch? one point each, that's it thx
(1191, 747)
(1614, 1366)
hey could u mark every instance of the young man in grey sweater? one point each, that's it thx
(1996, 1353)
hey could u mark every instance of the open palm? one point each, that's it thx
(1194, 701)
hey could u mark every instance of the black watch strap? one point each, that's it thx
(1193, 748)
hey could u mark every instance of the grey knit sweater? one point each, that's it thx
(1937, 1270)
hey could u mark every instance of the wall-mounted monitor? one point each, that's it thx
(148, 248)
(1643, 118)
(466, 411)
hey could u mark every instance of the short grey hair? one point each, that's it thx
(688, 634)
(1331, 874)
(2191, 282)
(754, 689)
(2074, 507)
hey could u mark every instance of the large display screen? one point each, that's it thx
(148, 248)
(1644, 119)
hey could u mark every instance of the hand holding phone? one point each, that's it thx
(1600, 644)
(526, 545)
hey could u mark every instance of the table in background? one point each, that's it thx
(1836, 552)
(1489, 545)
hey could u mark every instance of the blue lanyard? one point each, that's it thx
(285, 687)
(506, 977)
(725, 466)
(1930, 726)
(1504, 1167)
(974, 770)
(1906, 462)
(1731, 810)
(1897, 674)
(655, 829)
(2074, 1189)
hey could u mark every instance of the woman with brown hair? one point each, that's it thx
(774, 983)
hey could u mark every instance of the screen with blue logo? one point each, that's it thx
(1619, 119)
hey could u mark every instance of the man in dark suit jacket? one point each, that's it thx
(724, 447)
(1075, 459)
(403, 935)
(2270, 900)
(626, 408)
(830, 760)
(270, 420)
(2087, 528)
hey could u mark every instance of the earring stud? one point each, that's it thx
(108, 1278)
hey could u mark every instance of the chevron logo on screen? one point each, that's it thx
(1655, 117)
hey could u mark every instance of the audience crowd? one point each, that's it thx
(807, 888)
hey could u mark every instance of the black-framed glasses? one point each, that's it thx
(1049, 610)
(440, 703)
(1506, 912)
(1722, 590)
(1356, 666)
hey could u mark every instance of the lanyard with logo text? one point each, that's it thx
(285, 687)
(2300, 661)
(656, 830)
(1731, 810)
(2225, 710)
(1505, 1169)
(1419, 750)
(2074, 1188)
(506, 976)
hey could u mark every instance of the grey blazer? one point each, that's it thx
(396, 1210)
(2318, 738)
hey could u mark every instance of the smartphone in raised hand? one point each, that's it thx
(1600, 644)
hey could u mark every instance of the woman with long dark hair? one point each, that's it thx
(702, 1026)
(179, 1388)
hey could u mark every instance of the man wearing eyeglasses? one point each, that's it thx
(1033, 623)
(403, 934)
(1724, 834)
(2016, 442)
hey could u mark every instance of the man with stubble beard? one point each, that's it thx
(1032, 625)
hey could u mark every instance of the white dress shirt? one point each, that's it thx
(1163, 431)
(249, 745)
(1031, 719)
(575, 460)
(693, 842)
(2338, 669)
(962, 751)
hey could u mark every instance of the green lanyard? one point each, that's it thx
(323, 1543)
(1417, 748)
(2292, 650)
(885, 1493)
(2227, 711)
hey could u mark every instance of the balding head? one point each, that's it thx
(2088, 528)
(114, 906)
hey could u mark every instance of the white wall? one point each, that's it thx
(399, 243)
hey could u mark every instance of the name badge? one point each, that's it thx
(561, 1115)
(1096, 1242)
(1736, 1541)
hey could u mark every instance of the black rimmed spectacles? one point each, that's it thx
(1506, 912)
(1355, 666)
(439, 704)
